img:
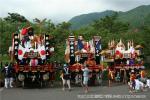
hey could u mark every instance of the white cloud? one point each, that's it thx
(63, 10)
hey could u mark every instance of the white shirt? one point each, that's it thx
(148, 83)
(138, 84)
(85, 72)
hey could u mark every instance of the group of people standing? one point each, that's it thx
(66, 76)
(8, 72)
(138, 81)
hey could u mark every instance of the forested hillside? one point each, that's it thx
(135, 16)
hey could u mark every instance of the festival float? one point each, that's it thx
(30, 54)
(80, 52)
(122, 60)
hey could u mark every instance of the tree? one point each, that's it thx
(40, 23)
(50, 27)
(15, 17)
(61, 33)
(111, 24)
(64, 26)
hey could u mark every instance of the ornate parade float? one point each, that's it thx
(79, 53)
(122, 60)
(118, 54)
(30, 54)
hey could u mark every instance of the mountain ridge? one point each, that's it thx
(134, 16)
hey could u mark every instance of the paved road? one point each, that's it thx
(77, 93)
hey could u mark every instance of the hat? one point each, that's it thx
(6, 64)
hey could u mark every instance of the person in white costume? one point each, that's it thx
(139, 85)
(148, 83)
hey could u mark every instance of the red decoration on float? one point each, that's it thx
(43, 52)
(117, 52)
(20, 52)
(24, 31)
(134, 55)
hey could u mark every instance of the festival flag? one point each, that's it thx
(80, 44)
(42, 52)
(67, 52)
(98, 45)
(21, 52)
(92, 48)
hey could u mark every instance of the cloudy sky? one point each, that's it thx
(63, 10)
